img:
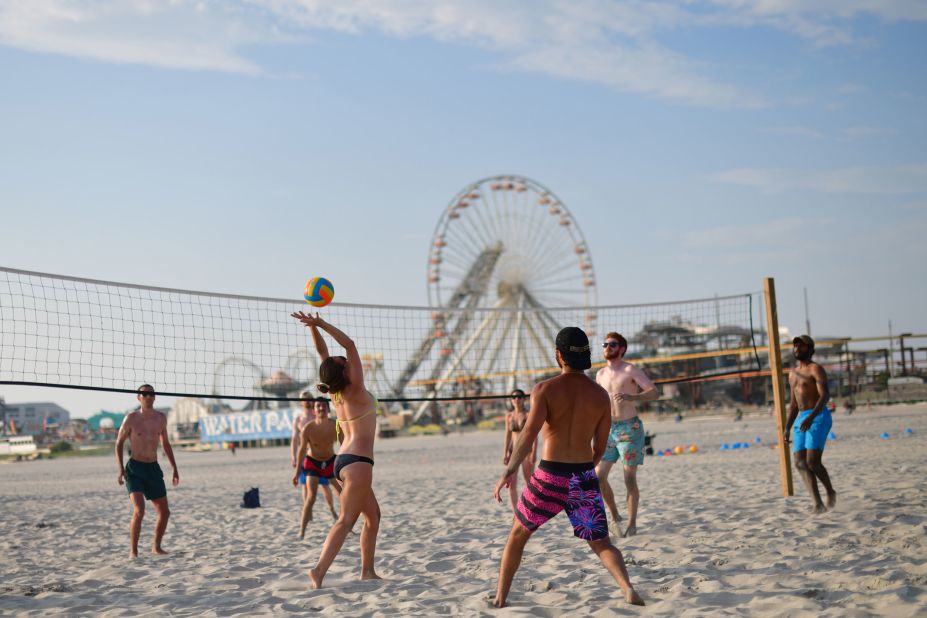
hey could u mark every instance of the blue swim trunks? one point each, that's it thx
(626, 442)
(302, 478)
(816, 436)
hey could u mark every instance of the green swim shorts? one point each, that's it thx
(146, 478)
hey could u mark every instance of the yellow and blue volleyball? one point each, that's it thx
(319, 291)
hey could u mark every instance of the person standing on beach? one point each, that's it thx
(808, 383)
(627, 386)
(142, 475)
(514, 422)
(305, 416)
(356, 412)
(308, 415)
(317, 462)
(574, 413)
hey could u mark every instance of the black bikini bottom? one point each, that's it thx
(346, 460)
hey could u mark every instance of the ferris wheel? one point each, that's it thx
(541, 250)
(240, 376)
(505, 242)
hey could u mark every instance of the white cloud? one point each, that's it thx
(732, 236)
(863, 131)
(899, 180)
(596, 40)
(822, 22)
(175, 35)
(601, 41)
(794, 131)
(851, 88)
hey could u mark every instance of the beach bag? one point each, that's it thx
(251, 499)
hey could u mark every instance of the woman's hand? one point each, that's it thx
(308, 319)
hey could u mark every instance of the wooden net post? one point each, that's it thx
(778, 385)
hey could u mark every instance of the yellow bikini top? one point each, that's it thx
(339, 399)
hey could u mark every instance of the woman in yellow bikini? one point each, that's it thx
(356, 410)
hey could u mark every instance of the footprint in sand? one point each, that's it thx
(440, 566)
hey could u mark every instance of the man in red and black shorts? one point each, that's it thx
(317, 457)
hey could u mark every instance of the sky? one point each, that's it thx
(242, 146)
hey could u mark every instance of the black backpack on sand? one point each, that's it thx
(251, 499)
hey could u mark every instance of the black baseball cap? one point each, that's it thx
(808, 341)
(573, 345)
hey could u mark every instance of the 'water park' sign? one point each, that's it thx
(238, 426)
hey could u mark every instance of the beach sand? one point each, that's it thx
(716, 537)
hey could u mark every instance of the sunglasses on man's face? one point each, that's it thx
(610, 344)
(518, 396)
(147, 394)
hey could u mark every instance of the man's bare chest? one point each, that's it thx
(145, 428)
(800, 380)
(618, 382)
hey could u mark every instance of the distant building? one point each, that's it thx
(33, 418)
(183, 420)
(104, 421)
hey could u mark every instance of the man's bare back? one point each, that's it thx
(578, 410)
(575, 415)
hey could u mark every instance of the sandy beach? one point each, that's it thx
(715, 535)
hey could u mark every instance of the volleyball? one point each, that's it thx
(319, 291)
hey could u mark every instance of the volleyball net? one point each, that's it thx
(68, 332)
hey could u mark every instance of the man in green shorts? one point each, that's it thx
(627, 385)
(142, 475)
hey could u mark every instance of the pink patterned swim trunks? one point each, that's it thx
(569, 487)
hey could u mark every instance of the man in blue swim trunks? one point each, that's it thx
(808, 383)
(627, 386)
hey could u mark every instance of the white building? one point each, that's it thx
(183, 420)
(32, 418)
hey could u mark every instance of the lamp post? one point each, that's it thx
(849, 370)
(904, 366)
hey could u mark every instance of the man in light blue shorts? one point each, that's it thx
(627, 385)
(808, 382)
(816, 436)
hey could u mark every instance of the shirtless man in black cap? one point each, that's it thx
(575, 415)
(808, 383)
